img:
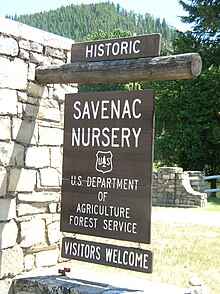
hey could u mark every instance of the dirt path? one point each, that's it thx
(198, 216)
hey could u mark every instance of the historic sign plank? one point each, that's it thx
(135, 259)
(121, 48)
(107, 164)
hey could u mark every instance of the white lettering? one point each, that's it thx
(114, 137)
(134, 46)
(89, 51)
(132, 259)
(113, 48)
(101, 50)
(106, 109)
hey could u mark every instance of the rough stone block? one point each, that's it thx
(60, 91)
(31, 71)
(50, 136)
(169, 170)
(190, 202)
(50, 114)
(37, 157)
(22, 180)
(3, 181)
(25, 132)
(23, 54)
(5, 128)
(8, 100)
(47, 258)
(8, 234)
(8, 46)
(39, 197)
(29, 262)
(53, 207)
(49, 177)
(40, 59)
(176, 201)
(35, 90)
(22, 96)
(53, 232)
(29, 209)
(32, 233)
(7, 209)
(31, 46)
(11, 262)
(55, 53)
(13, 74)
(11, 154)
(56, 157)
(5, 286)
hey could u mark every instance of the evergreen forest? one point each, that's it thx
(79, 21)
(187, 129)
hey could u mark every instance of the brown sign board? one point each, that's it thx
(120, 48)
(107, 164)
(135, 259)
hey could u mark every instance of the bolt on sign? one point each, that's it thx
(107, 164)
(120, 48)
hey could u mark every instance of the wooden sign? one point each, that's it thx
(135, 259)
(107, 164)
(113, 49)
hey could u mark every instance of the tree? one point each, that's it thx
(188, 111)
(204, 15)
(78, 21)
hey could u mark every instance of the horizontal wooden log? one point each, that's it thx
(173, 67)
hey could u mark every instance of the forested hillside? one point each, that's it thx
(78, 21)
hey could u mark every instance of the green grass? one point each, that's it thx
(213, 204)
(184, 251)
(180, 252)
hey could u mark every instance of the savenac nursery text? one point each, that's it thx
(106, 110)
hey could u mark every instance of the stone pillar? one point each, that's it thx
(173, 186)
(31, 139)
(168, 181)
(197, 180)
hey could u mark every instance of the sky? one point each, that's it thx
(170, 10)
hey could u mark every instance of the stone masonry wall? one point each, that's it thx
(31, 138)
(173, 186)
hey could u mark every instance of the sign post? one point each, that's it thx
(107, 162)
(108, 145)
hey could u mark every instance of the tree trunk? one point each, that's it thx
(182, 66)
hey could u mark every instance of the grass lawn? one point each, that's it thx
(181, 251)
(213, 204)
(184, 251)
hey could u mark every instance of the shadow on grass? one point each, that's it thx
(214, 203)
(214, 200)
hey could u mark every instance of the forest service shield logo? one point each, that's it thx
(104, 161)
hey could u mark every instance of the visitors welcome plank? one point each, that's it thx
(120, 48)
(107, 164)
(106, 254)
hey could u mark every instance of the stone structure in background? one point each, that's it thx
(173, 186)
(31, 138)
